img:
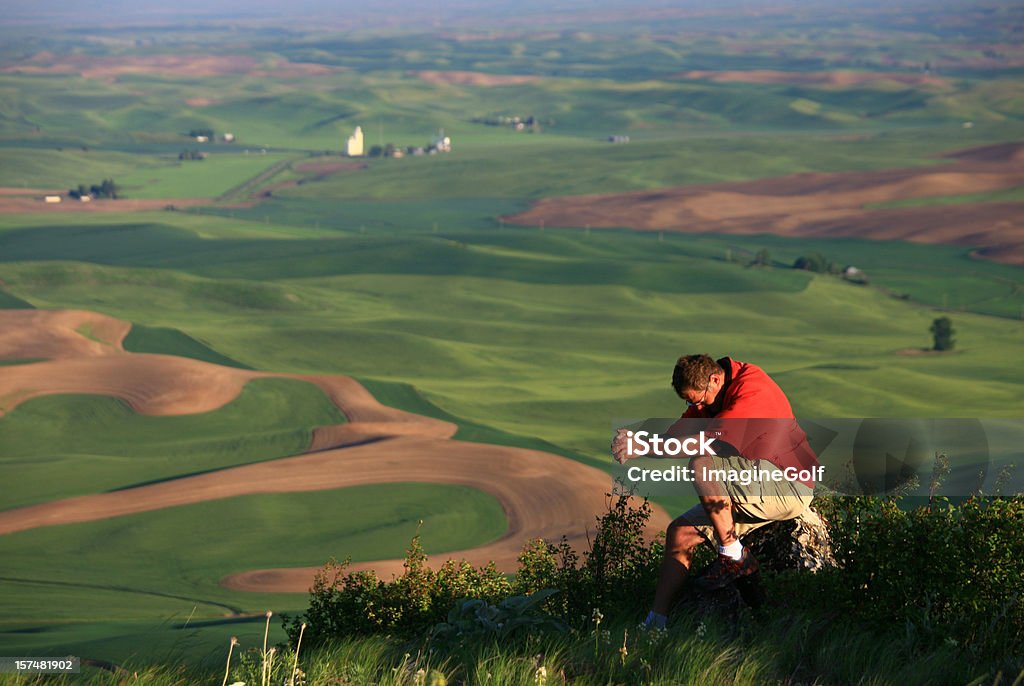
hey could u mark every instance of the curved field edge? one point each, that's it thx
(170, 561)
(170, 341)
(106, 445)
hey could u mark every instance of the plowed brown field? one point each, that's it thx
(825, 204)
(174, 65)
(15, 201)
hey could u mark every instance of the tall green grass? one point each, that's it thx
(800, 647)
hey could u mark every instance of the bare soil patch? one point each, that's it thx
(474, 78)
(329, 167)
(190, 65)
(926, 352)
(19, 203)
(31, 192)
(1000, 152)
(542, 494)
(826, 204)
(836, 79)
(31, 334)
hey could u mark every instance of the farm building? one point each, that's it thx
(354, 146)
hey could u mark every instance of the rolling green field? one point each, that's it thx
(402, 273)
(108, 446)
(59, 577)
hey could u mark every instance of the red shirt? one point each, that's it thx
(748, 414)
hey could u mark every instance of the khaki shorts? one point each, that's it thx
(756, 504)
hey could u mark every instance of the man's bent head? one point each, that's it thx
(697, 379)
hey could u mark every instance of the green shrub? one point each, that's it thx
(617, 574)
(346, 603)
(475, 621)
(943, 574)
(946, 573)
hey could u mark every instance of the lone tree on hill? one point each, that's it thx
(942, 332)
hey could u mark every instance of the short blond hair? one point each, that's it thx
(693, 372)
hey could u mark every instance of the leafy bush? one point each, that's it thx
(617, 574)
(474, 620)
(358, 603)
(945, 572)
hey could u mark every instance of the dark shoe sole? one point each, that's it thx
(752, 590)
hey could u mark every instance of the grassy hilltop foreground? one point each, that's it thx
(527, 287)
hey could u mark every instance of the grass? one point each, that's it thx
(574, 301)
(214, 539)
(10, 302)
(1008, 195)
(108, 446)
(590, 165)
(208, 178)
(137, 176)
(65, 168)
(804, 647)
(168, 341)
(403, 275)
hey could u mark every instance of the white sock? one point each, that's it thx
(734, 550)
(655, 621)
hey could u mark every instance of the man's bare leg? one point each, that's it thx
(680, 540)
(716, 503)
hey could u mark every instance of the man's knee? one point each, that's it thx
(681, 538)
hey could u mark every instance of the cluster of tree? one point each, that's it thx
(391, 150)
(382, 151)
(191, 155)
(762, 258)
(529, 123)
(107, 189)
(196, 133)
(815, 262)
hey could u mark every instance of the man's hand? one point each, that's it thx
(619, 446)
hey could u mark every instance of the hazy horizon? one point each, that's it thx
(433, 14)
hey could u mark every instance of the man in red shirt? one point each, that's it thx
(746, 411)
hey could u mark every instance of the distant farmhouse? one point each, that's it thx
(441, 143)
(354, 146)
